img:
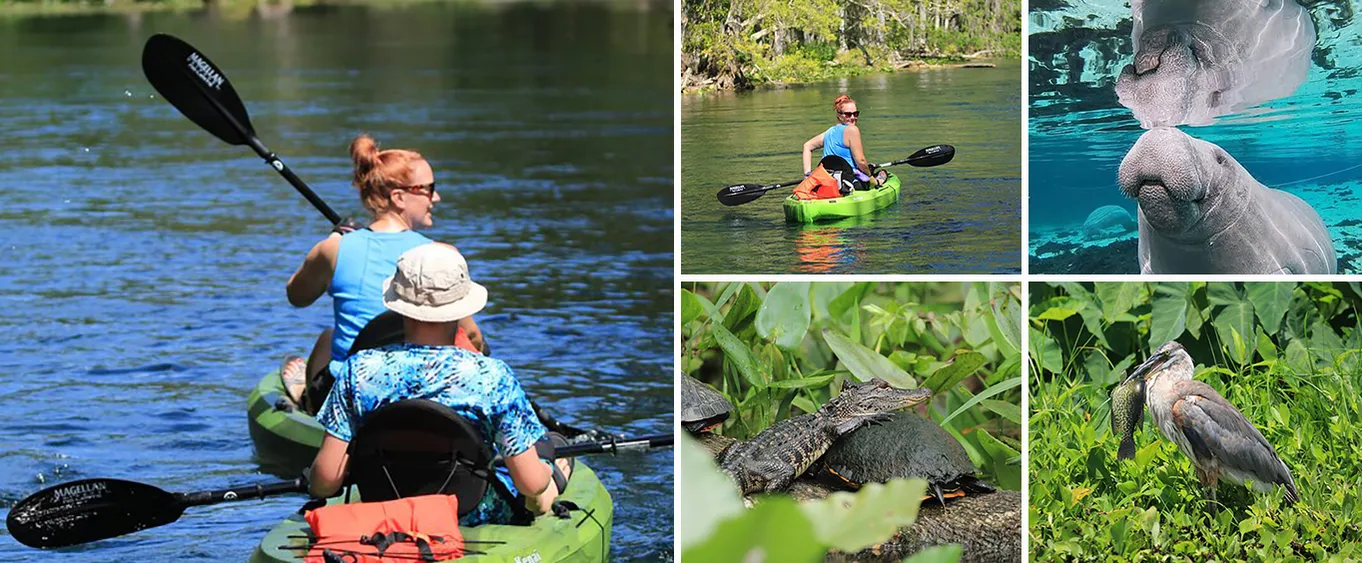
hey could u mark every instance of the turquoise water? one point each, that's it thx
(143, 291)
(1306, 144)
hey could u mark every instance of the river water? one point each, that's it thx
(143, 293)
(961, 217)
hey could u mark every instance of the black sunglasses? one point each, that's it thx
(426, 189)
(850, 113)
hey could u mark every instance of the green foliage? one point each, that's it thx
(1285, 354)
(752, 42)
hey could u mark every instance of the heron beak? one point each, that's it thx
(1151, 365)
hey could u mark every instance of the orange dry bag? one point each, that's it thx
(422, 528)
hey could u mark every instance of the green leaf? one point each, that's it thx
(852, 522)
(740, 357)
(1008, 474)
(1168, 319)
(691, 308)
(947, 553)
(1116, 298)
(1056, 314)
(849, 299)
(962, 366)
(1270, 302)
(1007, 410)
(1235, 318)
(866, 364)
(710, 498)
(784, 316)
(804, 383)
(1045, 352)
(986, 393)
(744, 307)
(774, 530)
(1005, 325)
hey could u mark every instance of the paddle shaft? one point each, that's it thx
(298, 485)
(615, 446)
(743, 193)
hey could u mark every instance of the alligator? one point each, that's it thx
(780, 454)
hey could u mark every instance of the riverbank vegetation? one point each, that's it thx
(741, 44)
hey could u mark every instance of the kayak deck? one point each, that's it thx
(583, 537)
(284, 436)
(859, 202)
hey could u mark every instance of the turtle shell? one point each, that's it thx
(902, 445)
(702, 407)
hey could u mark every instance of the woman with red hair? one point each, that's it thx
(398, 187)
(844, 166)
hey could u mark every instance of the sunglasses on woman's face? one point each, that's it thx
(426, 189)
(850, 113)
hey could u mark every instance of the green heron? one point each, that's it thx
(1212, 433)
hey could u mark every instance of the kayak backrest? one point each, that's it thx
(383, 330)
(419, 447)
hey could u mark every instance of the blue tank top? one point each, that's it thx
(835, 144)
(365, 258)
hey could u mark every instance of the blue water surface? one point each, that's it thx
(1307, 144)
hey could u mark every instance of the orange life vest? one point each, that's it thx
(819, 185)
(368, 532)
(461, 340)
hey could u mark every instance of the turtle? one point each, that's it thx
(702, 408)
(901, 445)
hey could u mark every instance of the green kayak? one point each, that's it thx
(859, 203)
(582, 537)
(284, 436)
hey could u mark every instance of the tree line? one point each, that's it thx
(743, 43)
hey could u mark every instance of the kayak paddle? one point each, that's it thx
(196, 87)
(94, 509)
(739, 194)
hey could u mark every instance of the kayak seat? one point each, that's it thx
(419, 447)
(383, 330)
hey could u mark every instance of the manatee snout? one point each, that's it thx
(1170, 82)
(1164, 172)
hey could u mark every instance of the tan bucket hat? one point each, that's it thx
(432, 285)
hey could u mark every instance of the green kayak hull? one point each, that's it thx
(859, 203)
(583, 537)
(284, 437)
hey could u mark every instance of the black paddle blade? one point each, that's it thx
(934, 155)
(196, 87)
(739, 194)
(88, 510)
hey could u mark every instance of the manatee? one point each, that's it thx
(1202, 213)
(1108, 220)
(1199, 59)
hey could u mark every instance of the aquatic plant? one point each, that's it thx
(1285, 354)
(780, 350)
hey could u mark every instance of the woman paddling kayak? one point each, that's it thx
(844, 167)
(398, 187)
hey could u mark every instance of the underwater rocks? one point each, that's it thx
(1118, 257)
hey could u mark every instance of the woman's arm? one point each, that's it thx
(852, 137)
(328, 469)
(312, 278)
(809, 146)
(533, 479)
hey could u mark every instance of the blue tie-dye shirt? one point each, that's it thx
(479, 388)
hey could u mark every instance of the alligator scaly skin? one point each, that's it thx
(781, 453)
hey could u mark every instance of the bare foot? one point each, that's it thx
(293, 372)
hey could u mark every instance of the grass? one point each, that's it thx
(1299, 387)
